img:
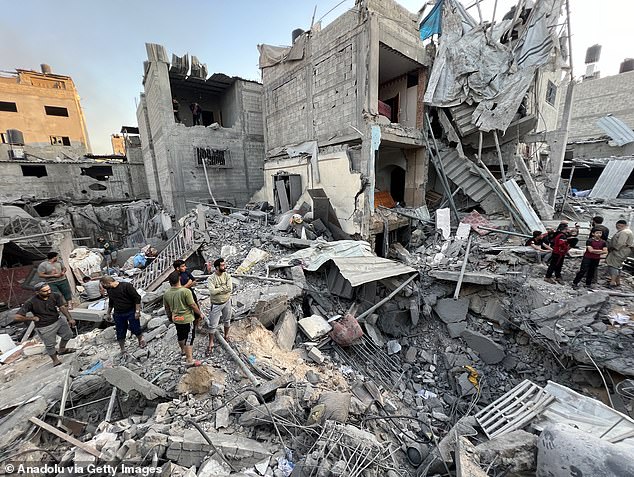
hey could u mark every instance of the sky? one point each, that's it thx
(101, 44)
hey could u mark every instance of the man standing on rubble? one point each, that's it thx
(561, 246)
(53, 271)
(126, 302)
(188, 280)
(619, 249)
(595, 248)
(220, 288)
(46, 307)
(184, 313)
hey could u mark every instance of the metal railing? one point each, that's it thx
(180, 246)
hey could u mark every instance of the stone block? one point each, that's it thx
(515, 451)
(316, 355)
(456, 329)
(222, 417)
(452, 311)
(285, 331)
(489, 351)
(283, 406)
(314, 326)
(84, 314)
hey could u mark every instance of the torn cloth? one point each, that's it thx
(432, 23)
(473, 66)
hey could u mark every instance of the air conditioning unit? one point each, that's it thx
(16, 153)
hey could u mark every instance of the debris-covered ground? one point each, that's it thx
(288, 396)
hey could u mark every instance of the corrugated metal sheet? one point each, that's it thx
(612, 179)
(620, 132)
(526, 211)
(360, 270)
(316, 255)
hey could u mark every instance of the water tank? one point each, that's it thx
(46, 69)
(15, 136)
(593, 54)
(297, 32)
(627, 65)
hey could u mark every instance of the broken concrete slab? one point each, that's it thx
(127, 380)
(477, 278)
(489, 351)
(6, 343)
(456, 329)
(283, 406)
(515, 451)
(285, 331)
(467, 459)
(563, 450)
(222, 417)
(452, 311)
(314, 326)
(85, 314)
(316, 355)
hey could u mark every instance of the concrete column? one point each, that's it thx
(415, 177)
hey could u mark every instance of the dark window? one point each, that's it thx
(34, 171)
(56, 111)
(60, 140)
(101, 173)
(8, 107)
(212, 157)
(551, 93)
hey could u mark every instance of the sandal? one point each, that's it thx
(66, 351)
(209, 352)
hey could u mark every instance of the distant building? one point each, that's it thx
(45, 108)
(199, 133)
(44, 147)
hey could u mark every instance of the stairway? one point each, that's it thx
(180, 246)
(464, 174)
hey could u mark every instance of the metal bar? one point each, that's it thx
(62, 405)
(26, 237)
(387, 298)
(113, 397)
(463, 269)
(507, 232)
(237, 359)
(499, 151)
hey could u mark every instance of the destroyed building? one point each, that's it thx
(438, 351)
(221, 155)
(344, 102)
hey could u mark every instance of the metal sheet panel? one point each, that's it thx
(524, 208)
(612, 179)
(620, 132)
(360, 270)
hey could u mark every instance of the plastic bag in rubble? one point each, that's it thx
(285, 464)
(254, 256)
(346, 331)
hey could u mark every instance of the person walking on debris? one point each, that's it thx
(126, 302)
(184, 313)
(619, 248)
(597, 224)
(109, 251)
(175, 108)
(595, 248)
(53, 271)
(560, 249)
(197, 113)
(541, 251)
(220, 288)
(46, 307)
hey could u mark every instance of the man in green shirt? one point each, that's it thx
(220, 288)
(180, 308)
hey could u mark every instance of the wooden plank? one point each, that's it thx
(281, 196)
(70, 439)
(29, 331)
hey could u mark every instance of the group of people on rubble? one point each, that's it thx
(49, 310)
(552, 247)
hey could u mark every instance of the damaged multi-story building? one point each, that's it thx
(345, 103)
(359, 111)
(45, 152)
(202, 137)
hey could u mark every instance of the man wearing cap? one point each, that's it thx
(46, 307)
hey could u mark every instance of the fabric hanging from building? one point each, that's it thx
(432, 23)
(474, 65)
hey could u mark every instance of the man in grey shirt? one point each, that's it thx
(53, 272)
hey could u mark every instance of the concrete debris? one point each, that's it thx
(314, 326)
(515, 451)
(489, 351)
(127, 380)
(452, 311)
